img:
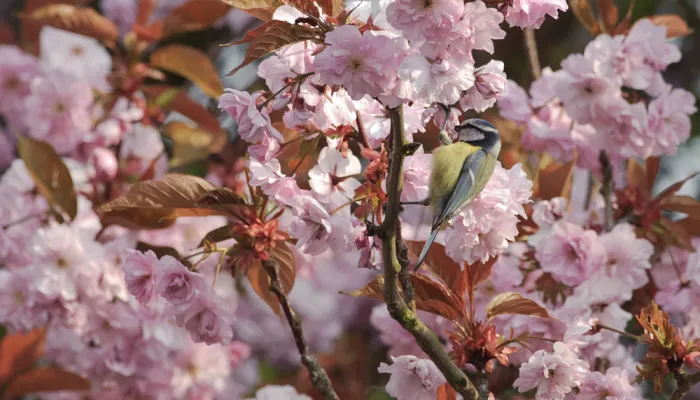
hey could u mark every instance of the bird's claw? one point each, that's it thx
(410, 148)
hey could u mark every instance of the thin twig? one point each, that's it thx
(318, 375)
(684, 382)
(426, 338)
(606, 190)
(361, 130)
(532, 54)
(619, 332)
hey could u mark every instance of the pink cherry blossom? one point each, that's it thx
(549, 130)
(370, 248)
(483, 24)
(625, 129)
(253, 124)
(316, 230)
(60, 111)
(441, 81)
(627, 256)
(79, 56)
(332, 178)
(17, 71)
(531, 13)
(615, 384)
(416, 175)
(142, 147)
(554, 374)
(375, 119)
(334, 109)
(484, 226)
(419, 20)
(570, 253)
(105, 164)
(412, 378)
(207, 319)
(365, 64)
(546, 212)
(272, 392)
(647, 43)
(515, 103)
(7, 149)
(139, 273)
(175, 282)
(669, 120)
(489, 86)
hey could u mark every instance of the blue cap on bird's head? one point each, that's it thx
(479, 132)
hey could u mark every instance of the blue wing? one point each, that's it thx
(464, 190)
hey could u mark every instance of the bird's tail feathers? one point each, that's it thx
(426, 247)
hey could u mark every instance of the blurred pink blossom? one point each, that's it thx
(614, 384)
(531, 13)
(412, 378)
(140, 274)
(554, 374)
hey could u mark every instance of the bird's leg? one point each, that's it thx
(423, 202)
(410, 148)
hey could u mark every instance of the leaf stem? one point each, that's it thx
(623, 333)
(532, 55)
(398, 309)
(319, 378)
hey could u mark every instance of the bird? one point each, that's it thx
(459, 173)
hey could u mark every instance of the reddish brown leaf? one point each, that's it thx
(83, 21)
(183, 104)
(191, 143)
(145, 10)
(263, 14)
(637, 177)
(248, 4)
(45, 379)
(174, 196)
(373, 289)
(273, 36)
(194, 15)
(190, 63)
(514, 303)
(260, 282)
(305, 6)
(652, 169)
(18, 352)
(437, 260)
(675, 25)
(671, 190)
(554, 180)
(332, 8)
(7, 34)
(478, 272)
(608, 13)
(690, 225)
(140, 218)
(675, 234)
(583, 12)
(625, 23)
(161, 251)
(51, 176)
(682, 204)
(217, 235)
(657, 326)
(437, 297)
(446, 392)
(286, 263)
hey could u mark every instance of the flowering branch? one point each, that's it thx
(685, 383)
(532, 55)
(387, 231)
(319, 377)
(607, 189)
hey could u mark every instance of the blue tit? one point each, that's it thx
(459, 173)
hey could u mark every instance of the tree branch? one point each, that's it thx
(607, 189)
(387, 231)
(532, 55)
(319, 378)
(685, 383)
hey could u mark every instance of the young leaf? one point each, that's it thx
(18, 352)
(194, 15)
(671, 190)
(217, 235)
(191, 143)
(435, 297)
(583, 12)
(270, 37)
(174, 196)
(50, 174)
(286, 263)
(332, 8)
(446, 392)
(554, 180)
(248, 4)
(437, 260)
(608, 14)
(690, 225)
(514, 303)
(260, 282)
(45, 379)
(190, 63)
(652, 169)
(675, 25)
(477, 272)
(183, 104)
(83, 21)
(161, 251)
(373, 289)
(682, 204)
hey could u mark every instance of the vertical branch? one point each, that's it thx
(387, 231)
(319, 378)
(684, 382)
(532, 54)
(607, 189)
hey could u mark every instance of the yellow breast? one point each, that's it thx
(447, 165)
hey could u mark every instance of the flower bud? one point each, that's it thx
(490, 79)
(105, 164)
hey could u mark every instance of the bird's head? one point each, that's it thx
(480, 133)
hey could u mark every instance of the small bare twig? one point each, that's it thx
(319, 378)
(398, 309)
(684, 382)
(532, 54)
(607, 189)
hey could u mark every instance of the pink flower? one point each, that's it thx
(264, 174)
(375, 119)
(139, 273)
(419, 20)
(60, 111)
(370, 248)
(412, 378)
(542, 90)
(570, 253)
(79, 56)
(549, 130)
(515, 103)
(646, 44)
(625, 129)
(669, 120)
(316, 230)
(416, 174)
(627, 256)
(253, 124)
(140, 148)
(489, 87)
(207, 320)
(483, 227)
(21, 307)
(332, 178)
(554, 374)
(7, 149)
(364, 64)
(265, 150)
(105, 164)
(272, 392)
(441, 81)
(334, 109)
(484, 25)
(531, 13)
(122, 12)
(546, 212)
(176, 283)
(17, 70)
(614, 385)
